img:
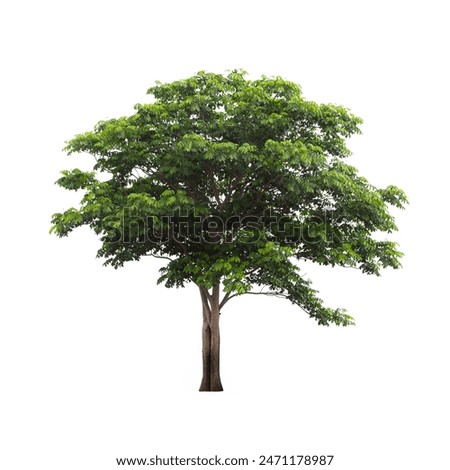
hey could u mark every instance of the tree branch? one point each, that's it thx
(159, 257)
(225, 299)
(206, 303)
(273, 294)
(214, 188)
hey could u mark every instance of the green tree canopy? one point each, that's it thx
(235, 182)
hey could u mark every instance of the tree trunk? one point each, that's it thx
(211, 341)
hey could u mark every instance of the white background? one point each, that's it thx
(98, 363)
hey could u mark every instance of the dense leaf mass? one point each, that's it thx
(235, 182)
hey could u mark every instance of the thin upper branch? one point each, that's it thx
(273, 294)
(214, 187)
(159, 257)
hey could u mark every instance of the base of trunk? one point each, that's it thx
(211, 385)
(210, 389)
(211, 377)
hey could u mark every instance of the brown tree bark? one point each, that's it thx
(211, 340)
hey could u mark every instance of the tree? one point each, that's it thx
(235, 182)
